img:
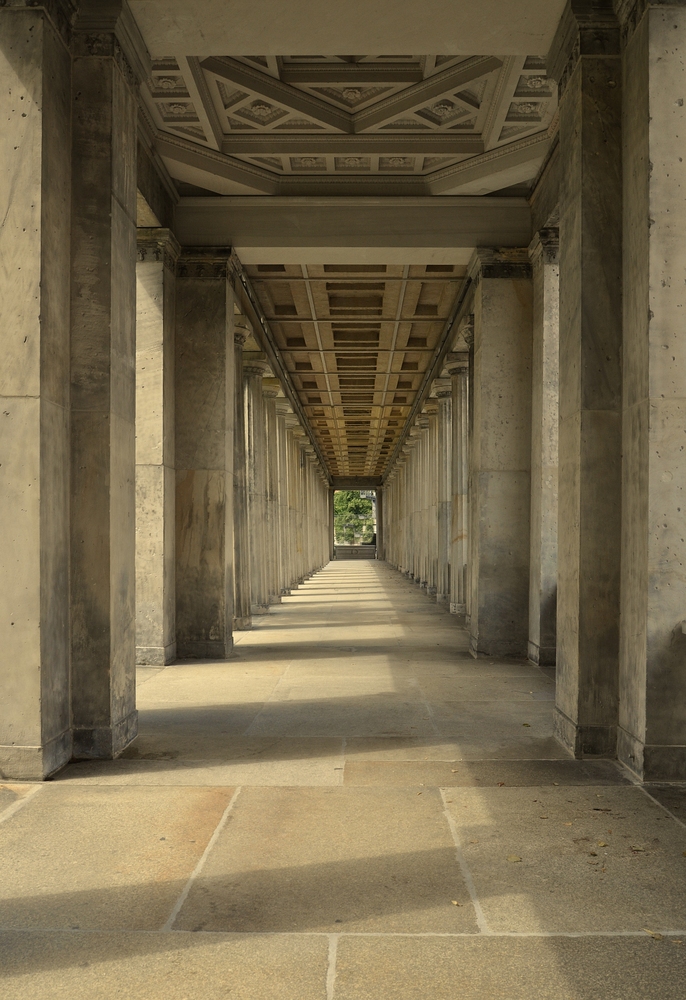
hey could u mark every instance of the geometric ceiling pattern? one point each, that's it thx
(353, 124)
(357, 340)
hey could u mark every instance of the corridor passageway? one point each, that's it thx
(350, 808)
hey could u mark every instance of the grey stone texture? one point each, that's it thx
(204, 372)
(545, 415)
(587, 63)
(103, 387)
(652, 647)
(155, 464)
(500, 454)
(35, 197)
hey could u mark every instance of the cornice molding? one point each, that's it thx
(108, 28)
(157, 244)
(204, 262)
(587, 28)
(545, 246)
(504, 262)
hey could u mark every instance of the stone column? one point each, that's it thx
(652, 680)
(204, 454)
(585, 60)
(283, 409)
(254, 368)
(545, 413)
(458, 369)
(158, 253)
(501, 452)
(380, 543)
(332, 542)
(103, 387)
(444, 391)
(35, 151)
(242, 618)
(270, 390)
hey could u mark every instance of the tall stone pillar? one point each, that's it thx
(332, 540)
(242, 618)
(444, 391)
(380, 534)
(35, 151)
(501, 453)
(585, 60)
(204, 454)
(270, 390)
(254, 368)
(283, 409)
(103, 385)
(545, 394)
(458, 369)
(652, 680)
(158, 253)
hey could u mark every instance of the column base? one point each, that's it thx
(651, 762)
(259, 609)
(205, 649)
(584, 741)
(443, 599)
(458, 609)
(20, 763)
(496, 647)
(542, 656)
(155, 656)
(107, 742)
(242, 624)
(275, 600)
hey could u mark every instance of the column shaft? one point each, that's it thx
(241, 541)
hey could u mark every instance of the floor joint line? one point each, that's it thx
(331, 967)
(14, 807)
(464, 868)
(169, 925)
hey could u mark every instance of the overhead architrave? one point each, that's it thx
(428, 90)
(211, 162)
(275, 144)
(455, 222)
(349, 73)
(356, 482)
(274, 90)
(481, 174)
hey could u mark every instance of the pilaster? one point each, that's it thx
(458, 370)
(241, 537)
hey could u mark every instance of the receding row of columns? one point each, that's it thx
(231, 503)
(569, 530)
(156, 490)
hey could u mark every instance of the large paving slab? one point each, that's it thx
(103, 858)
(332, 859)
(489, 968)
(64, 966)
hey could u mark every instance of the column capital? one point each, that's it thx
(443, 388)
(255, 363)
(271, 387)
(204, 262)
(242, 329)
(430, 408)
(107, 28)
(499, 262)
(457, 362)
(283, 407)
(545, 246)
(156, 244)
(587, 28)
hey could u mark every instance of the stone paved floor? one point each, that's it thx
(351, 809)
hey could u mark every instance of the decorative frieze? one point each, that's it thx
(503, 262)
(158, 245)
(204, 262)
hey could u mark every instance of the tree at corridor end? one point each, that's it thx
(353, 518)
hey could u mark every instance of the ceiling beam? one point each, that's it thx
(213, 163)
(351, 222)
(274, 90)
(427, 91)
(276, 144)
(351, 73)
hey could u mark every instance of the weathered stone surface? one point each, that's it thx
(204, 457)
(590, 386)
(500, 457)
(35, 99)
(652, 688)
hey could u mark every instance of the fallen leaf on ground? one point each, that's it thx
(568, 824)
(526, 725)
(542, 817)
(500, 784)
(601, 843)
(637, 849)
(454, 770)
(594, 854)
(513, 858)
(454, 902)
(653, 934)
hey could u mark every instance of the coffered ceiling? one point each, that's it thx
(351, 125)
(357, 340)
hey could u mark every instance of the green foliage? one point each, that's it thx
(353, 518)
